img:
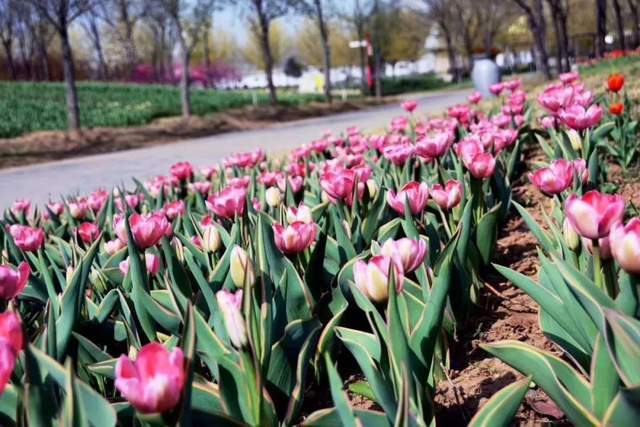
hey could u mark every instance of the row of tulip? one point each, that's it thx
(221, 295)
(587, 286)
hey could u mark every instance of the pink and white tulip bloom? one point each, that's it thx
(21, 206)
(482, 165)
(416, 193)
(604, 246)
(569, 77)
(339, 184)
(11, 343)
(182, 171)
(554, 179)
(78, 208)
(228, 203)
(409, 252)
(174, 209)
(241, 268)
(593, 214)
(152, 262)
(202, 187)
(409, 106)
(295, 238)
(97, 199)
(578, 118)
(154, 382)
(230, 305)
(448, 196)
(496, 88)
(12, 282)
(147, 229)
(56, 208)
(372, 278)
(300, 214)
(625, 245)
(88, 232)
(26, 238)
(398, 154)
(434, 146)
(113, 246)
(475, 97)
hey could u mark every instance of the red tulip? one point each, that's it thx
(88, 232)
(578, 118)
(229, 202)
(372, 278)
(449, 196)
(409, 106)
(593, 214)
(615, 82)
(616, 108)
(12, 282)
(410, 253)
(11, 342)
(417, 193)
(26, 238)
(182, 171)
(154, 382)
(295, 238)
(553, 179)
(625, 245)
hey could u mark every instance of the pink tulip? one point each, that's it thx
(21, 206)
(245, 160)
(593, 214)
(460, 112)
(475, 97)
(300, 214)
(78, 208)
(553, 98)
(295, 238)
(578, 118)
(449, 196)
(229, 202)
(482, 165)
(154, 382)
(512, 85)
(11, 343)
(496, 88)
(625, 245)
(553, 179)
(569, 77)
(113, 246)
(372, 278)
(239, 182)
(339, 184)
(152, 262)
(410, 253)
(26, 238)
(174, 209)
(202, 187)
(147, 229)
(182, 171)
(56, 208)
(398, 154)
(269, 179)
(434, 146)
(97, 199)
(12, 282)
(409, 106)
(295, 182)
(88, 232)
(604, 246)
(230, 305)
(132, 200)
(549, 122)
(417, 193)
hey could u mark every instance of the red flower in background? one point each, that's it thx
(615, 82)
(616, 109)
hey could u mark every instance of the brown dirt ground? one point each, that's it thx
(52, 145)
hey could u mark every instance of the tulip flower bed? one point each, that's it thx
(244, 293)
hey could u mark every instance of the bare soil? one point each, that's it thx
(53, 145)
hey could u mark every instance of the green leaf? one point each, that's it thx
(622, 336)
(340, 400)
(542, 237)
(502, 407)
(604, 379)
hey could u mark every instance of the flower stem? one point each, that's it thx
(597, 265)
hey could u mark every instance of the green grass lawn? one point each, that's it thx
(26, 107)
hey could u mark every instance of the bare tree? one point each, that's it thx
(441, 12)
(534, 10)
(7, 34)
(601, 27)
(261, 14)
(316, 10)
(619, 24)
(61, 13)
(188, 18)
(559, 15)
(635, 19)
(127, 14)
(91, 25)
(157, 21)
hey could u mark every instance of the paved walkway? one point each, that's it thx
(84, 174)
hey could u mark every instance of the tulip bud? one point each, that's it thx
(324, 197)
(625, 245)
(211, 239)
(574, 139)
(273, 197)
(179, 248)
(230, 305)
(372, 187)
(241, 268)
(571, 238)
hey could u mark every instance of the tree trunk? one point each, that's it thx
(635, 19)
(451, 53)
(206, 48)
(11, 65)
(326, 49)
(184, 79)
(377, 51)
(620, 25)
(73, 111)
(556, 30)
(97, 45)
(268, 58)
(540, 35)
(564, 31)
(44, 58)
(601, 31)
